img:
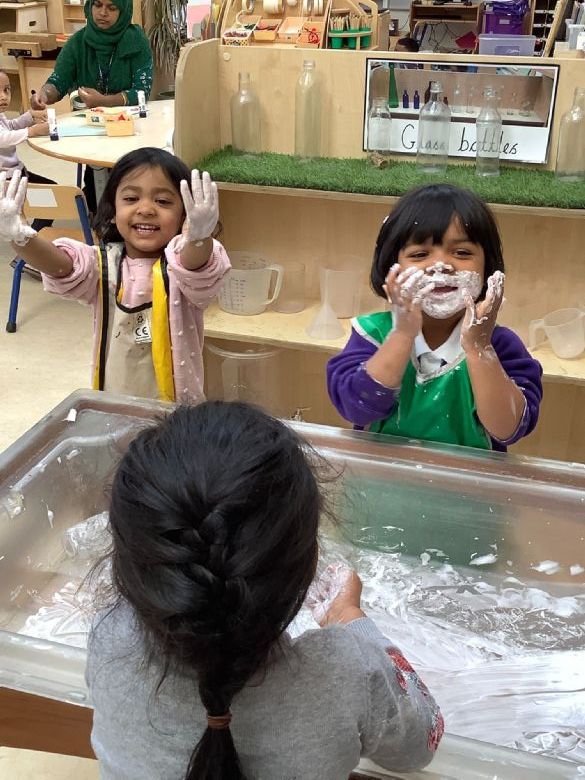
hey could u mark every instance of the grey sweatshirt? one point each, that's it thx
(12, 132)
(334, 695)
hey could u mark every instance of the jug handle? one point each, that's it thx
(533, 329)
(279, 270)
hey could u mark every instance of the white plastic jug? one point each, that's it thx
(563, 328)
(246, 289)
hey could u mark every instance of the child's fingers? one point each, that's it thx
(423, 292)
(13, 185)
(206, 187)
(214, 197)
(197, 188)
(186, 195)
(21, 193)
(3, 184)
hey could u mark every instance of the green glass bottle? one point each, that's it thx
(392, 91)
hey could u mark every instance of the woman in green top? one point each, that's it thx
(109, 60)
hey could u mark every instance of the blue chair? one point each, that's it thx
(65, 203)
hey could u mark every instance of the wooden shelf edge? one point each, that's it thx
(498, 208)
(288, 331)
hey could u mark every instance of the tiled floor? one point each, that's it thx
(46, 359)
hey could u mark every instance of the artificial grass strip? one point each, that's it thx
(514, 186)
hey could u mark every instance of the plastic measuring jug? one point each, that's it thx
(564, 330)
(246, 289)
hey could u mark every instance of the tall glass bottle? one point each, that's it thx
(392, 90)
(434, 129)
(245, 114)
(379, 125)
(308, 107)
(571, 148)
(488, 132)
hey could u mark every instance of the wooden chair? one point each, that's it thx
(59, 201)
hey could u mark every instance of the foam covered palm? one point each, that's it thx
(201, 206)
(12, 195)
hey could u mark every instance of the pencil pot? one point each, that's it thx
(352, 42)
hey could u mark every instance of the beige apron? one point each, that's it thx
(135, 344)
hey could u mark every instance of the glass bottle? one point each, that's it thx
(416, 100)
(471, 101)
(379, 125)
(458, 106)
(488, 132)
(245, 115)
(434, 128)
(308, 112)
(392, 90)
(571, 148)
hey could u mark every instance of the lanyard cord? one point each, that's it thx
(104, 75)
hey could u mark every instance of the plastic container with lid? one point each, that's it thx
(507, 45)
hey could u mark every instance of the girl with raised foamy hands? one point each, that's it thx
(153, 272)
(192, 673)
(437, 366)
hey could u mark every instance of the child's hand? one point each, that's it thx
(335, 597)
(12, 195)
(39, 116)
(201, 207)
(480, 319)
(41, 128)
(405, 291)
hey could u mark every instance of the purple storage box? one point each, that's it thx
(500, 23)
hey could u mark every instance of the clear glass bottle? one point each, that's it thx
(379, 126)
(471, 101)
(245, 114)
(488, 132)
(571, 148)
(458, 106)
(308, 106)
(434, 129)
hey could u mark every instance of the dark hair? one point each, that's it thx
(214, 518)
(149, 157)
(426, 213)
(410, 44)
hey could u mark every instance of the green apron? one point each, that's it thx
(440, 407)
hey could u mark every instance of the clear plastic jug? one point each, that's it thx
(564, 330)
(236, 371)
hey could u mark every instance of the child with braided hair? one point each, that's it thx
(214, 517)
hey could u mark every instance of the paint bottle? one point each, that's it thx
(416, 99)
(141, 104)
(52, 120)
(405, 101)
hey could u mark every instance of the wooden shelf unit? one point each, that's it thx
(542, 246)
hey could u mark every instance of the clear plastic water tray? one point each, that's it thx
(473, 563)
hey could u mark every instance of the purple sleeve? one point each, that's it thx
(355, 395)
(526, 372)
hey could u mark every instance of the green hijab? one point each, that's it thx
(123, 36)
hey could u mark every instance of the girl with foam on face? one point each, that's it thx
(154, 270)
(438, 367)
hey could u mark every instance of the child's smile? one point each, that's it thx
(149, 211)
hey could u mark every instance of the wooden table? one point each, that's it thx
(104, 150)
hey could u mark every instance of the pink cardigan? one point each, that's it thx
(12, 132)
(190, 292)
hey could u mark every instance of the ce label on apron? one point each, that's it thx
(141, 327)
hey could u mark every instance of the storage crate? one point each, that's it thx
(507, 45)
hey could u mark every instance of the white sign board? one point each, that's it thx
(526, 120)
